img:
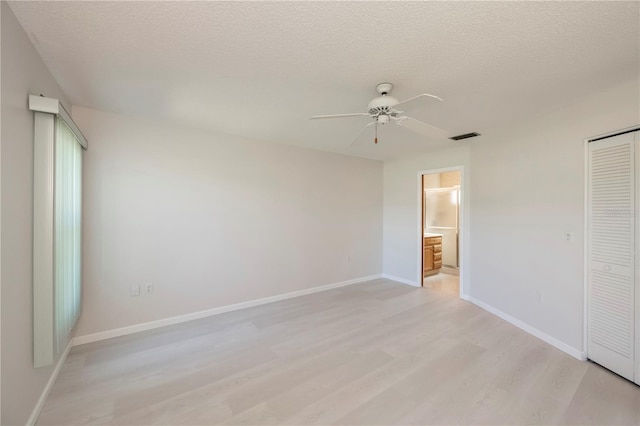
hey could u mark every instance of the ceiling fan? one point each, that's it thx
(382, 110)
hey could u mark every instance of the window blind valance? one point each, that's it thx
(53, 106)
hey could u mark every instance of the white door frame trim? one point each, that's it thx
(462, 224)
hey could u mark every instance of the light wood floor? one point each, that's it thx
(375, 353)
(443, 283)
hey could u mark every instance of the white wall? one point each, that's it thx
(402, 199)
(524, 190)
(527, 191)
(23, 72)
(213, 220)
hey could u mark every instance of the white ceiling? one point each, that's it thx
(259, 69)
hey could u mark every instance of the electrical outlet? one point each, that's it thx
(148, 288)
(568, 236)
(135, 290)
(348, 259)
(540, 297)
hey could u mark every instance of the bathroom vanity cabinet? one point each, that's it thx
(432, 258)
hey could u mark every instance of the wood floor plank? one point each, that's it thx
(371, 353)
(413, 390)
(604, 398)
(340, 403)
(298, 397)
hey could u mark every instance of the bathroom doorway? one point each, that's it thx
(441, 230)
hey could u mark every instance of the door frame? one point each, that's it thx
(461, 224)
(585, 288)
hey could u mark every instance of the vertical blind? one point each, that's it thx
(57, 223)
(67, 229)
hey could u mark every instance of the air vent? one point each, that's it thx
(465, 136)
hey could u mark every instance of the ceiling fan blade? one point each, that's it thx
(358, 114)
(421, 96)
(360, 133)
(422, 128)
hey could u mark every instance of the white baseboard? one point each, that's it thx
(401, 280)
(45, 392)
(576, 353)
(103, 335)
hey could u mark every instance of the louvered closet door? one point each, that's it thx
(611, 254)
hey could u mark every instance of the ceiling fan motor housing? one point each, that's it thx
(382, 105)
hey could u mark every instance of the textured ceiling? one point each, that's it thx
(259, 69)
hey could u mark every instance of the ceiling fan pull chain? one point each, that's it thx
(376, 139)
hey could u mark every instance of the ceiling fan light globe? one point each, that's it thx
(383, 119)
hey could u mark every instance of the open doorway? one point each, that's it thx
(441, 230)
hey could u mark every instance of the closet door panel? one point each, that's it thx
(611, 254)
